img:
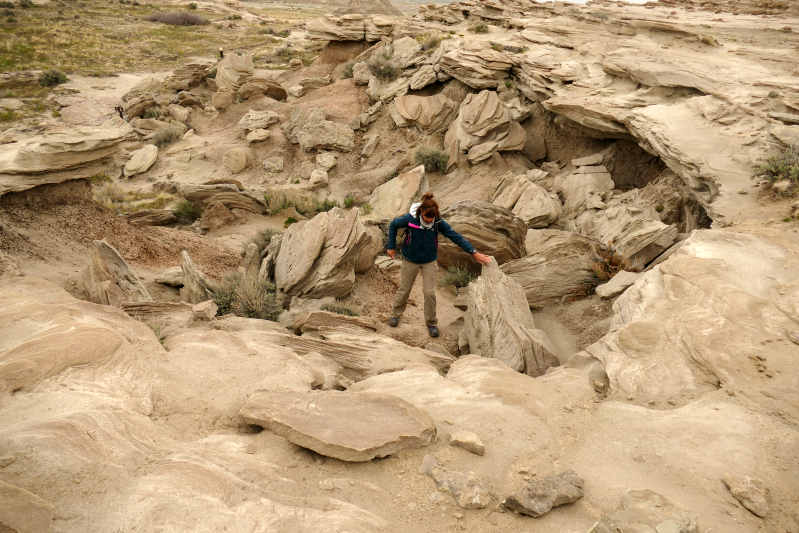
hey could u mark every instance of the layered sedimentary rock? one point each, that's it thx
(228, 194)
(189, 75)
(430, 114)
(476, 64)
(233, 71)
(393, 198)
(528, 201)
(109, 280)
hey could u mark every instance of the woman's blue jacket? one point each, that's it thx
(420, 245)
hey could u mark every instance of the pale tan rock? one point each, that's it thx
(233, 71)
(423, 77)
(645, 508)
(295, 64)
(373, 245)
(326, 135)
(196, 285)
(481, 152)
(314, 320)
(138, 106)
(273, 164)
(476, 64)
(151, 217)
(23, 511)
(228, 194)
(235, 159)
(179, 112)
(369, 145)
(483, 118)
(252, 261)
(147, 85)
(330, 28)
(172, 276)
(394, 89)
(256, 120)
(109, 280)
(223, 98)
(259, 86)
(296, 91)
(595, 159)
(577, 189)
(361, 73)
(318, 180)
(216, 216)
(429, 114)
(326, 160)
(315, 83)
(204, 310)
(376, 25)
(617, 284)
(189, 75)
(751, 492)
(468, 441)
(258, 135)
(498, 324)
(351, 426)
(394, 198)
(492, 230)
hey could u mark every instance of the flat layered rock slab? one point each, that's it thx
(351, 426)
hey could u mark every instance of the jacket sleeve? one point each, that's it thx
(396, 224)
(447, 231)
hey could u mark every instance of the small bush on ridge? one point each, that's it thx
(52, 77)
(480, 28)
(349, 201)
(177, 18)
(460, 277)
(781, 171)
(247, 298)
(433, 160)
(165, 137)
(346, 72)
(382, 68)
(186, 213)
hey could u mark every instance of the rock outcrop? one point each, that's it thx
(498, 324)
(196, 285)
(648, 509)
(189, 75)
(430, 114)
(234, 71)
(537, 498)
(228, 194)
(476, 64)
(528, 201)
(312, 131)
(351, 426)
(141, 160)
(394, 198)
(109, 280)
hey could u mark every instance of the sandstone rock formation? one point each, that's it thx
(189, 75)
(228, 194)
(256, 120)
(537, 498)
(311, 130)
(492, 230)
(476, 64)
(234, 71)
(498, 324)
(141, 160)
(528, 201)
(350, 426)
(648, 509)
(430, 114)
(109, 280)
(314, 320)
(196, 285)
(394, 198)
(151, 217)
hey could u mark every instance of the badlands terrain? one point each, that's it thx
(181, 183)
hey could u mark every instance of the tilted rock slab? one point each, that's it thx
(257, 85)
(528, 201)
(312, 131)
(233, 71)
(196, 285)
(141, 161)
(552, 271)
(498, 324)
(429, 114)
(330, 28)
(317, 257)
(646, 509)
(256, 120)
(228, 194)
(351, 426)
(151, 217)
(751, 492)
(491, 229)
(394, 198)
(537, 498)
(476, 64)
(109, 280)
(314, 320)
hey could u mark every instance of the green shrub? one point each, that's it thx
(349, 201)
(212, 74)
(289, 221)
(339, 310)
(153, 112)
(479, 28)
(192, 6)
(382, 68)
(346, 72)
(165, 137)
(247, 298)
(186, 213)
(433, 160)
(327, 204)
(25, 4)
(366, 208)
(52, 77)
(262, 239)
(177, 18)
(234, 17)
(428, 41)
(7, 5)
(460, 277)
(781, 171)
(278, 200)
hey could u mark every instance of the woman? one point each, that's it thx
(419, 252)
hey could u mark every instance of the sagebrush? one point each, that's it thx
(186, 213)
(52, 77)
(433, 160)
(339, 310)
(166, 136)
(781, 171)
(383, 68)
(177, 18)
(458, 276)
(247, 297)
(262, 239)
(346, 72)
(278, 200)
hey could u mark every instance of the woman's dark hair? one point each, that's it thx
(429, 207)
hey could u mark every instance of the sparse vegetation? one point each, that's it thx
(508, 84)
(247, 298)
(165, 137)
(781, 172)
(346, 72)
(100, 178)
(608, 262)
(192, 6)
(25, 4)
(479, 28)
(659, 208)
(599, 15)
(289, 221)
(433, 160)
(428, 41)
(277, 200)
(327, 204)
(349, 201)
(110, 195)
(499, 47)
(460, 277)
(339, 310)
(366, 208)
(261, 239)
(177, 18)
(382, 68)
(52, 77)
(153, 112)
(234, 17)
(186, 213)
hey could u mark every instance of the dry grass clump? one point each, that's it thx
(606, 263)
(262, 239)
(277, 200)
(433, 160)
(781, 172)
(460, 277)
(247, 298)
(177, 18)
(429, 41)
(110, 195)
(382, 68)
(346, 72)
(166, 136)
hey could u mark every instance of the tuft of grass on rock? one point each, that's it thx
(349, 201)
(428, 41)
(327, 204)
(433, 160)
(177, 18)
(186, 213)
(339, 310)
(277, 200)
(479, 28)
(781, 172)
(165, 137)
(460, 277)
(383, 68)
(248, 298)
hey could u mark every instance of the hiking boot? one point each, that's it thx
(433, 331)
(393, 321)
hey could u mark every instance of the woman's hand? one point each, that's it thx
(483, 259)
(391, 253)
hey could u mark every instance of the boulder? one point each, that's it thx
(498, 324)
(326, 160)
(204, 310)
(394, 198)
(467, 490)
(423, 77)
(196, 285)
(141, 160)
(535, 147)
(189, 75)
(151, 217)
(481, 152)
(179, 113)
(581, 190)
(223, 98)
(228, 194)
(251, 263)
(538, 497)
(468, 441)
(751, 492)
(394, 89)
(312, 131)
(295, 64)
(146, 85)
(317, 257)
(273, 164)
(235, 159)
(430, 114)
(314, 320)
(617, 284)
(330, 28)
(350, 426)
(172, 276)
(216, 216)
(528, 201)
(555, 269)
(476, 64)
(138, 106)
(258, 86)
(318, 179)
(257, 136)
(377, 26)
(187, 99)
(642, 510)
(365, 259)
(109, 280)
(233, 71)
(369, 145)
(492, 230)
(256, 120)
(484, 118)
(361, 73)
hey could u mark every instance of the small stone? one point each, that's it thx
(590, 160)
(743, 191)
(235, 159)
(295, 64)
(427, 464)
(326, 484)
(458, 515)
(794, 336)
(769, 374)
(296, 91)
(730, 393)
(493, 519)
(273, 164)
(751, 492)
(318, 179)
(468, 491)
(672, 402)
(326, 160)
(436, 497)
(761, 368)
(539, 497)
(204, 310)
(258, 135)
(761, 357)
(468, 441)
(250, 448)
